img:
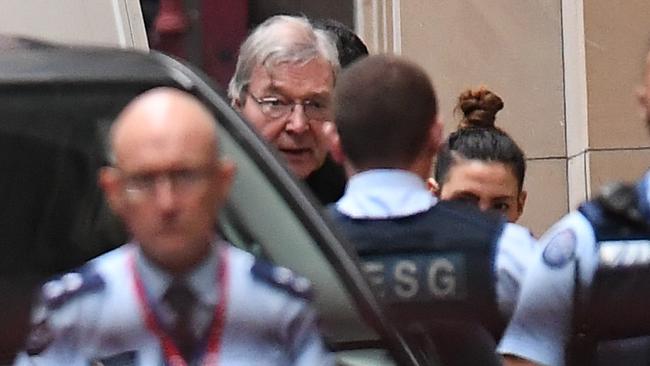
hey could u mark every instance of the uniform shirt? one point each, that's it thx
(265, 324)
(388, 193)
(200, 280)
(541, 325)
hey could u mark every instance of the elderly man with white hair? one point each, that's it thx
(283, 86)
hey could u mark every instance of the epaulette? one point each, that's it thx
(57, 292)
(54, 294)
(282, 278)
(621, 199)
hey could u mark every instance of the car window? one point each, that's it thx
(52, 215)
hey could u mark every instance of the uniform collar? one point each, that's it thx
(385, 193)
(202, 279)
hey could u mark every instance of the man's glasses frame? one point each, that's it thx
(277, 108)
(142, 185)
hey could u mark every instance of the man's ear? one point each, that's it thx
(433, 187)
(226, 177)
(333, 142)
(109, 181)
(236, 104)
(435, 134)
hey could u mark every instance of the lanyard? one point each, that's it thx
(172, 355)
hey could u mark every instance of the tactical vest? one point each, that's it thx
(617, 303)
(435, 268)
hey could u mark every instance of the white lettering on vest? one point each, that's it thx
(375, 274)
(442, 278)
(406, 282)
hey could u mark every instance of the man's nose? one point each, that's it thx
(164, 192)
(297, 122)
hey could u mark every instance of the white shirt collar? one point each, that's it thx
(384, 193)
(202, 279)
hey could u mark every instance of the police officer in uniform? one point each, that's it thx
(177, 294)
(387, 134)
(589, 283)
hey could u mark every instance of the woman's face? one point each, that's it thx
(489, 185)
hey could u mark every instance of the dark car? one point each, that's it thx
(56, 105)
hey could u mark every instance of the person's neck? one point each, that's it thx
(420, 167)
(181, 266)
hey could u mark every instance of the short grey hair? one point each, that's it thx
(280, 39)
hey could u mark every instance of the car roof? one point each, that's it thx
(46, 63)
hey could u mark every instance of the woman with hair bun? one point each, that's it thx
(479, 162)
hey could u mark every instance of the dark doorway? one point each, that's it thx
(208, 33)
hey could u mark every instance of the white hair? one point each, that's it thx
(280, 39)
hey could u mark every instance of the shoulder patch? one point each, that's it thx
(561, 249)
(58, 291)
(282, 278)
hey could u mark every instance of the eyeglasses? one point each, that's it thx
(180, 181)
(276, 108)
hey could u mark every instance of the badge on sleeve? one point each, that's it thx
(122, 359)
(561, 249)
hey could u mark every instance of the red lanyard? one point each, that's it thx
(172, 355)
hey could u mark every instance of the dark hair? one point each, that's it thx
(349, 46)
(384, 108)
(478, 107)
(477, 137)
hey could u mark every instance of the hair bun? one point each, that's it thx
(478, 107)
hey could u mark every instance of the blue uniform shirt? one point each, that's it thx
(94, 315)
(387, 193)
(541, 325)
